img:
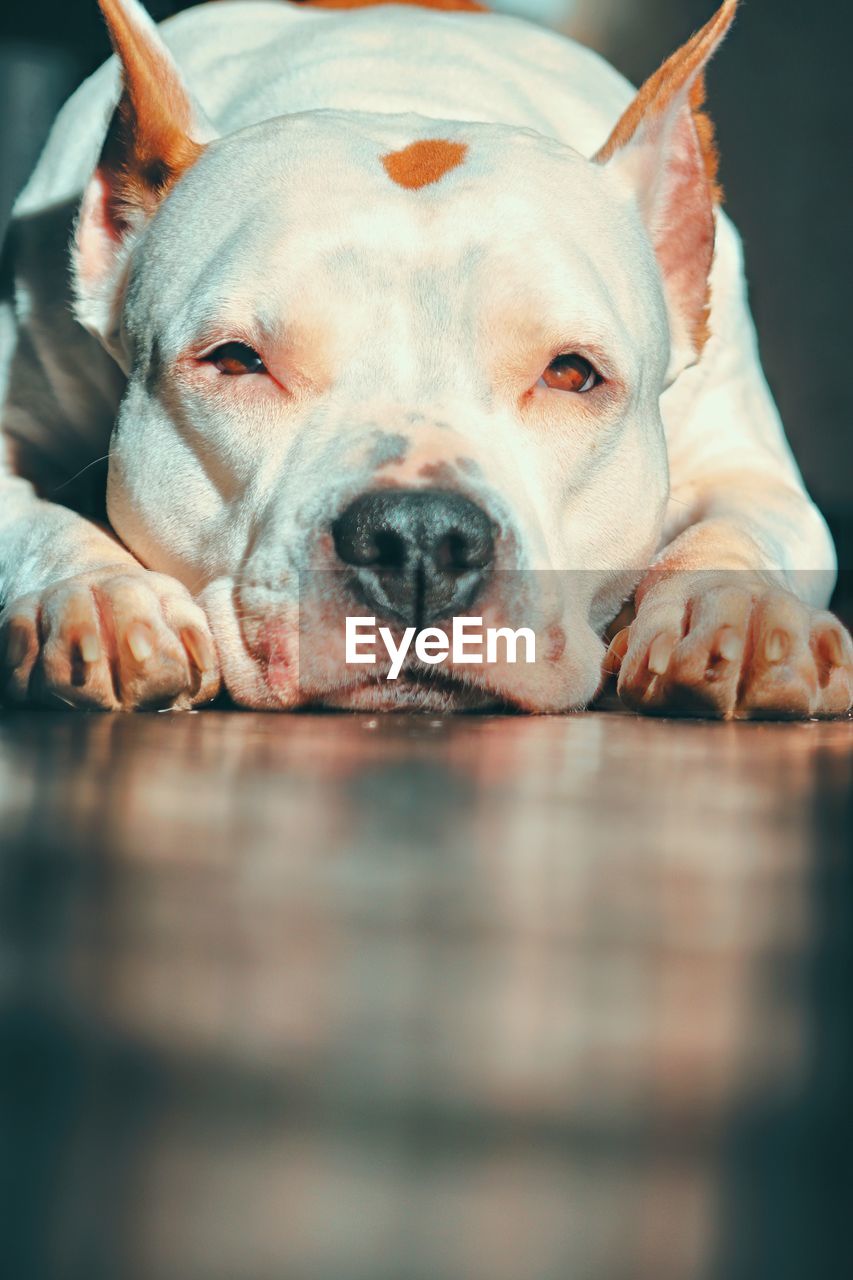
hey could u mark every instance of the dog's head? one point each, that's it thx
(395, 366)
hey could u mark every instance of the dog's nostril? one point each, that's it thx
(390, 550)
(465, 549)
(360, 541)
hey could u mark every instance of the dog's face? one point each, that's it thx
(476, 362)
(386, 366)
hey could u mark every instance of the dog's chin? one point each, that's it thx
(411, 692)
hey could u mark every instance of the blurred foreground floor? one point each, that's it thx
(332, 998)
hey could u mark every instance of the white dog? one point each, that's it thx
(403, 312)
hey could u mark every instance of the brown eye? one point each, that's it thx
(236, 358)
(571, 373)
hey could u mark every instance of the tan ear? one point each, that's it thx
(664, 145)
(156, 133)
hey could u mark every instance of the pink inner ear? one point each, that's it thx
(682, 226)
(97, 236)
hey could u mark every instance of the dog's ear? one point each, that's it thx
(664, 147)
(156, 133)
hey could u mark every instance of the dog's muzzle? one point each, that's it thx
(416, 555)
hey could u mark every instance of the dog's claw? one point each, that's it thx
(617, 650)
(139, 642)
(89, 645)
(660, 654)
(728, 644)
(776, 646)
(832, 648)
(199, 648)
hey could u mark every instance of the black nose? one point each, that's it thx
(419, 554)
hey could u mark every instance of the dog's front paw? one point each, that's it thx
(733, 650)
(116, 639)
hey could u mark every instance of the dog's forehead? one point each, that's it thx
(364, 201)
(309, 167)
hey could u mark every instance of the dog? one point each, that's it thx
(398, 311)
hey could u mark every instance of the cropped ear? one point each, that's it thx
(156, 133)
(664, 146)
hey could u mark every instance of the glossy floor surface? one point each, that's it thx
(333, 998)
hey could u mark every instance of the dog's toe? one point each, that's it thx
(832, 648)
(74, 662)
(19, 647)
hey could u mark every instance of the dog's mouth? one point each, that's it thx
(415, 690)
(304, 657)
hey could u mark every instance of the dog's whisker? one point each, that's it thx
(65, 483)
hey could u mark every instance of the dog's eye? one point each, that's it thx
(236, 358)
(571, 373)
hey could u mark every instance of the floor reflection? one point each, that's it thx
(339, 998)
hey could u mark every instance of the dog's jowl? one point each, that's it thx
(394, 313)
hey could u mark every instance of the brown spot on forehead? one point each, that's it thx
(423, 162)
